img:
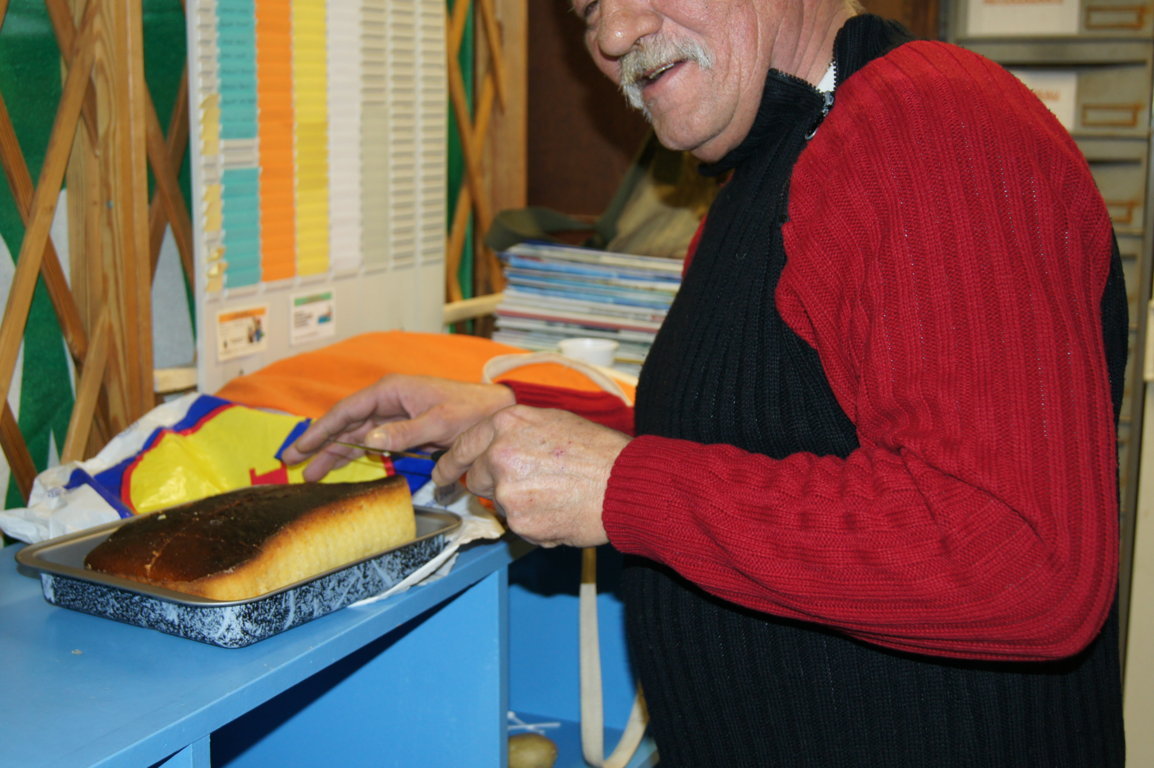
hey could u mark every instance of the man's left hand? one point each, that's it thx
(546, 470)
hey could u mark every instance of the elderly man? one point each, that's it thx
(868, 490)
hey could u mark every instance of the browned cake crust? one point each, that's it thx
(247, 542)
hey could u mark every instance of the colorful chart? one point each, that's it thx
(309, 111)
(319, 140)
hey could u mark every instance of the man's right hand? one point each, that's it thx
(399, 412)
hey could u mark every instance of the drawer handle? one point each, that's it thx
(1111, 115)
(1122, 211)
(1116, 16)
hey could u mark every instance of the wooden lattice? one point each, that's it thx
(104, 129)
(475, 201)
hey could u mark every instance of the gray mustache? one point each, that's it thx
(653, 55)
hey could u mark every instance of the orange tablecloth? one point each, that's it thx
(309, 383)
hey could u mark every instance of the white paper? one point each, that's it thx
(313, 317)
(241, 332)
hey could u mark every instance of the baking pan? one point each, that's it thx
(233, 624)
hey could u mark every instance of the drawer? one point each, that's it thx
(1123, 187)
(1089, 18)
(1110, 18)
(1111, 99)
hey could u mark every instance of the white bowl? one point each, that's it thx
(593, 351)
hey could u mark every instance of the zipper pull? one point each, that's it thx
(826, 106)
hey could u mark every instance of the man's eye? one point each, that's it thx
(589, 10)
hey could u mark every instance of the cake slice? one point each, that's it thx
(245, 543)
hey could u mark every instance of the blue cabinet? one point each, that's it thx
(425, 678)
(419, 679)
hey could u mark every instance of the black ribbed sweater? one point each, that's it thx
(729, 686)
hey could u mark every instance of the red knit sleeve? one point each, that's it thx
(947, 256)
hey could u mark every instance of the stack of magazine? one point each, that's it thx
(554, 292)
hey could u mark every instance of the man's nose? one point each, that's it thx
(623, 23)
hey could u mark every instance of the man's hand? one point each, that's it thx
(546, 470)
(398, 412)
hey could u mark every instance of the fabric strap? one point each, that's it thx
(589, 660)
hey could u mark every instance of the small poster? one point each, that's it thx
(241, 332)
(312, 317)
(1023, 17)
(1058, 90)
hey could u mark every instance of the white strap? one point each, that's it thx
(592, 709)
(606, 378)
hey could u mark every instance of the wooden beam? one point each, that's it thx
(16, 451)
(496, 60)
(176, 144)
(459, 99)
(88, 386)
(65, 32)
(43, 204)
(504, 156)
(463, 212)
(469, 309)
(20, 182)
(123, 279)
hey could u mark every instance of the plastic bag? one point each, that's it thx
(183, 450)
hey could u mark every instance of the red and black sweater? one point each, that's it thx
(952, 288)
(883, 403)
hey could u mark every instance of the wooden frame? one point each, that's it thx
(104, 137)
(493, 137)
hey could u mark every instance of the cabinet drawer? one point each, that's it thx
(1117, 19)
(1094, 99)
(1123, 187)
(1090, 18)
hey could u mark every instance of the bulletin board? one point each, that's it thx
(318, 142)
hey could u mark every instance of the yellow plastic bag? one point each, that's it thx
(183, 450)
(229, 447)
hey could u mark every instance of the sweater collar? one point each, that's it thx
(786, 102)
(791, 103)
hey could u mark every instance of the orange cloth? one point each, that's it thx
(309, 383)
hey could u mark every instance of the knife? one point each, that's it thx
(442, 494)
(393, 454)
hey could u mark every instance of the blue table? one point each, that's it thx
(419, 679)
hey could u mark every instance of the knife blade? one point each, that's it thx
(391, 453)
(442, 494)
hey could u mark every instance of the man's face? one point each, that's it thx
(695, 67)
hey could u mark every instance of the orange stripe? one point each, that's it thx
(274, 98)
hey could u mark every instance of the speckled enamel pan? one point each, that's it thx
(235, 624)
